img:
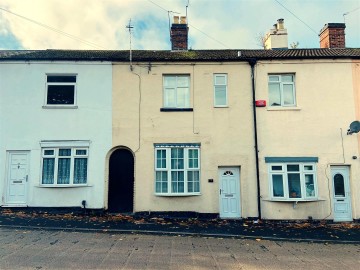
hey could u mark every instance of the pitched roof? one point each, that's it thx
(176, 56)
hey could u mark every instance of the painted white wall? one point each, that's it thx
(24, 123)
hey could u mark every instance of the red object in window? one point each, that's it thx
(260, 103)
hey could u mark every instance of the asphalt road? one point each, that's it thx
(42, 249)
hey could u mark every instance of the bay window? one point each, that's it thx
(177, 169)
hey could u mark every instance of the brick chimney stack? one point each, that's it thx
(179, 34)
(332, 35)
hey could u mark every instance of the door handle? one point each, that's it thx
(220, 191)
(26, 178)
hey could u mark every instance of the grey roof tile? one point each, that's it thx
(176, 56)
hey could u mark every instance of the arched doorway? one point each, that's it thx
(121, 181)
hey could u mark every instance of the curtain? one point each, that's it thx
(80, 171)
(64, 171)
(48, 171)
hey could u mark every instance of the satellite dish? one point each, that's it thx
(354, 128)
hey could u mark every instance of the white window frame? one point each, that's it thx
(216, 84)
(186, 169)
(50, 146)
(281, 85)
(284, 173)
(167, 89)
(61, 83)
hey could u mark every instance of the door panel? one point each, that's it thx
(341, 193)
(229, 192)
(17, 178)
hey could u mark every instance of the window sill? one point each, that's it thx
(226, 106)
(63, 186)
(176, 109)
(296, 200)
(177, 194)
(279, 108)
(59, 107)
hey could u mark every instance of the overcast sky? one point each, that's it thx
(213, 24)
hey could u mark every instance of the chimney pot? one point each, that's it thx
(176, 19)
(280, 24)
(183, 20)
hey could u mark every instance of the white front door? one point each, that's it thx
(17, 177)
(229, 178)
(341, 193)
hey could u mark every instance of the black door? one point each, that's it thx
(121, 181)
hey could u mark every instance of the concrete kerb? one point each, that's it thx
(173, 233)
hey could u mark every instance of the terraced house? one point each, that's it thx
(234, 133)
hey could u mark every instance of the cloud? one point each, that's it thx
(214, 24)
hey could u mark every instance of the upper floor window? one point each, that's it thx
(282, 90)
(293, 181)
(61, 90)
(220, 90)
(176, 91)
(177, 169)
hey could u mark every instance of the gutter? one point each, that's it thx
(252, 62)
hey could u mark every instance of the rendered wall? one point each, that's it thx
(24, 123)
(316, 127)
(226, 134)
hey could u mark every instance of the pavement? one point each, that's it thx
(300, 231)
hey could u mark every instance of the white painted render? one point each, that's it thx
(24, 123)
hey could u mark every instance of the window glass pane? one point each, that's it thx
(64, 152)
(177, 158)
(274, 94)
(80, 171)
(293, 168)
(273, 78)
(170, 81)
(160, 159)
(193, 158)
(48, 152)
(182, 81)
(220, 95)
(61, 78)
(48, 170)
(309, 185)
(287, 78)
(308, 167)
(276, 168)
(60, 94)
(278, 187)
(161, 182)
(63, 171)
(193, 181)
(339, 185)
(177, 181)
(182, 97)
(289, 98)
(170, 97)
(294, 185)
(220, 79)
(81, 152)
